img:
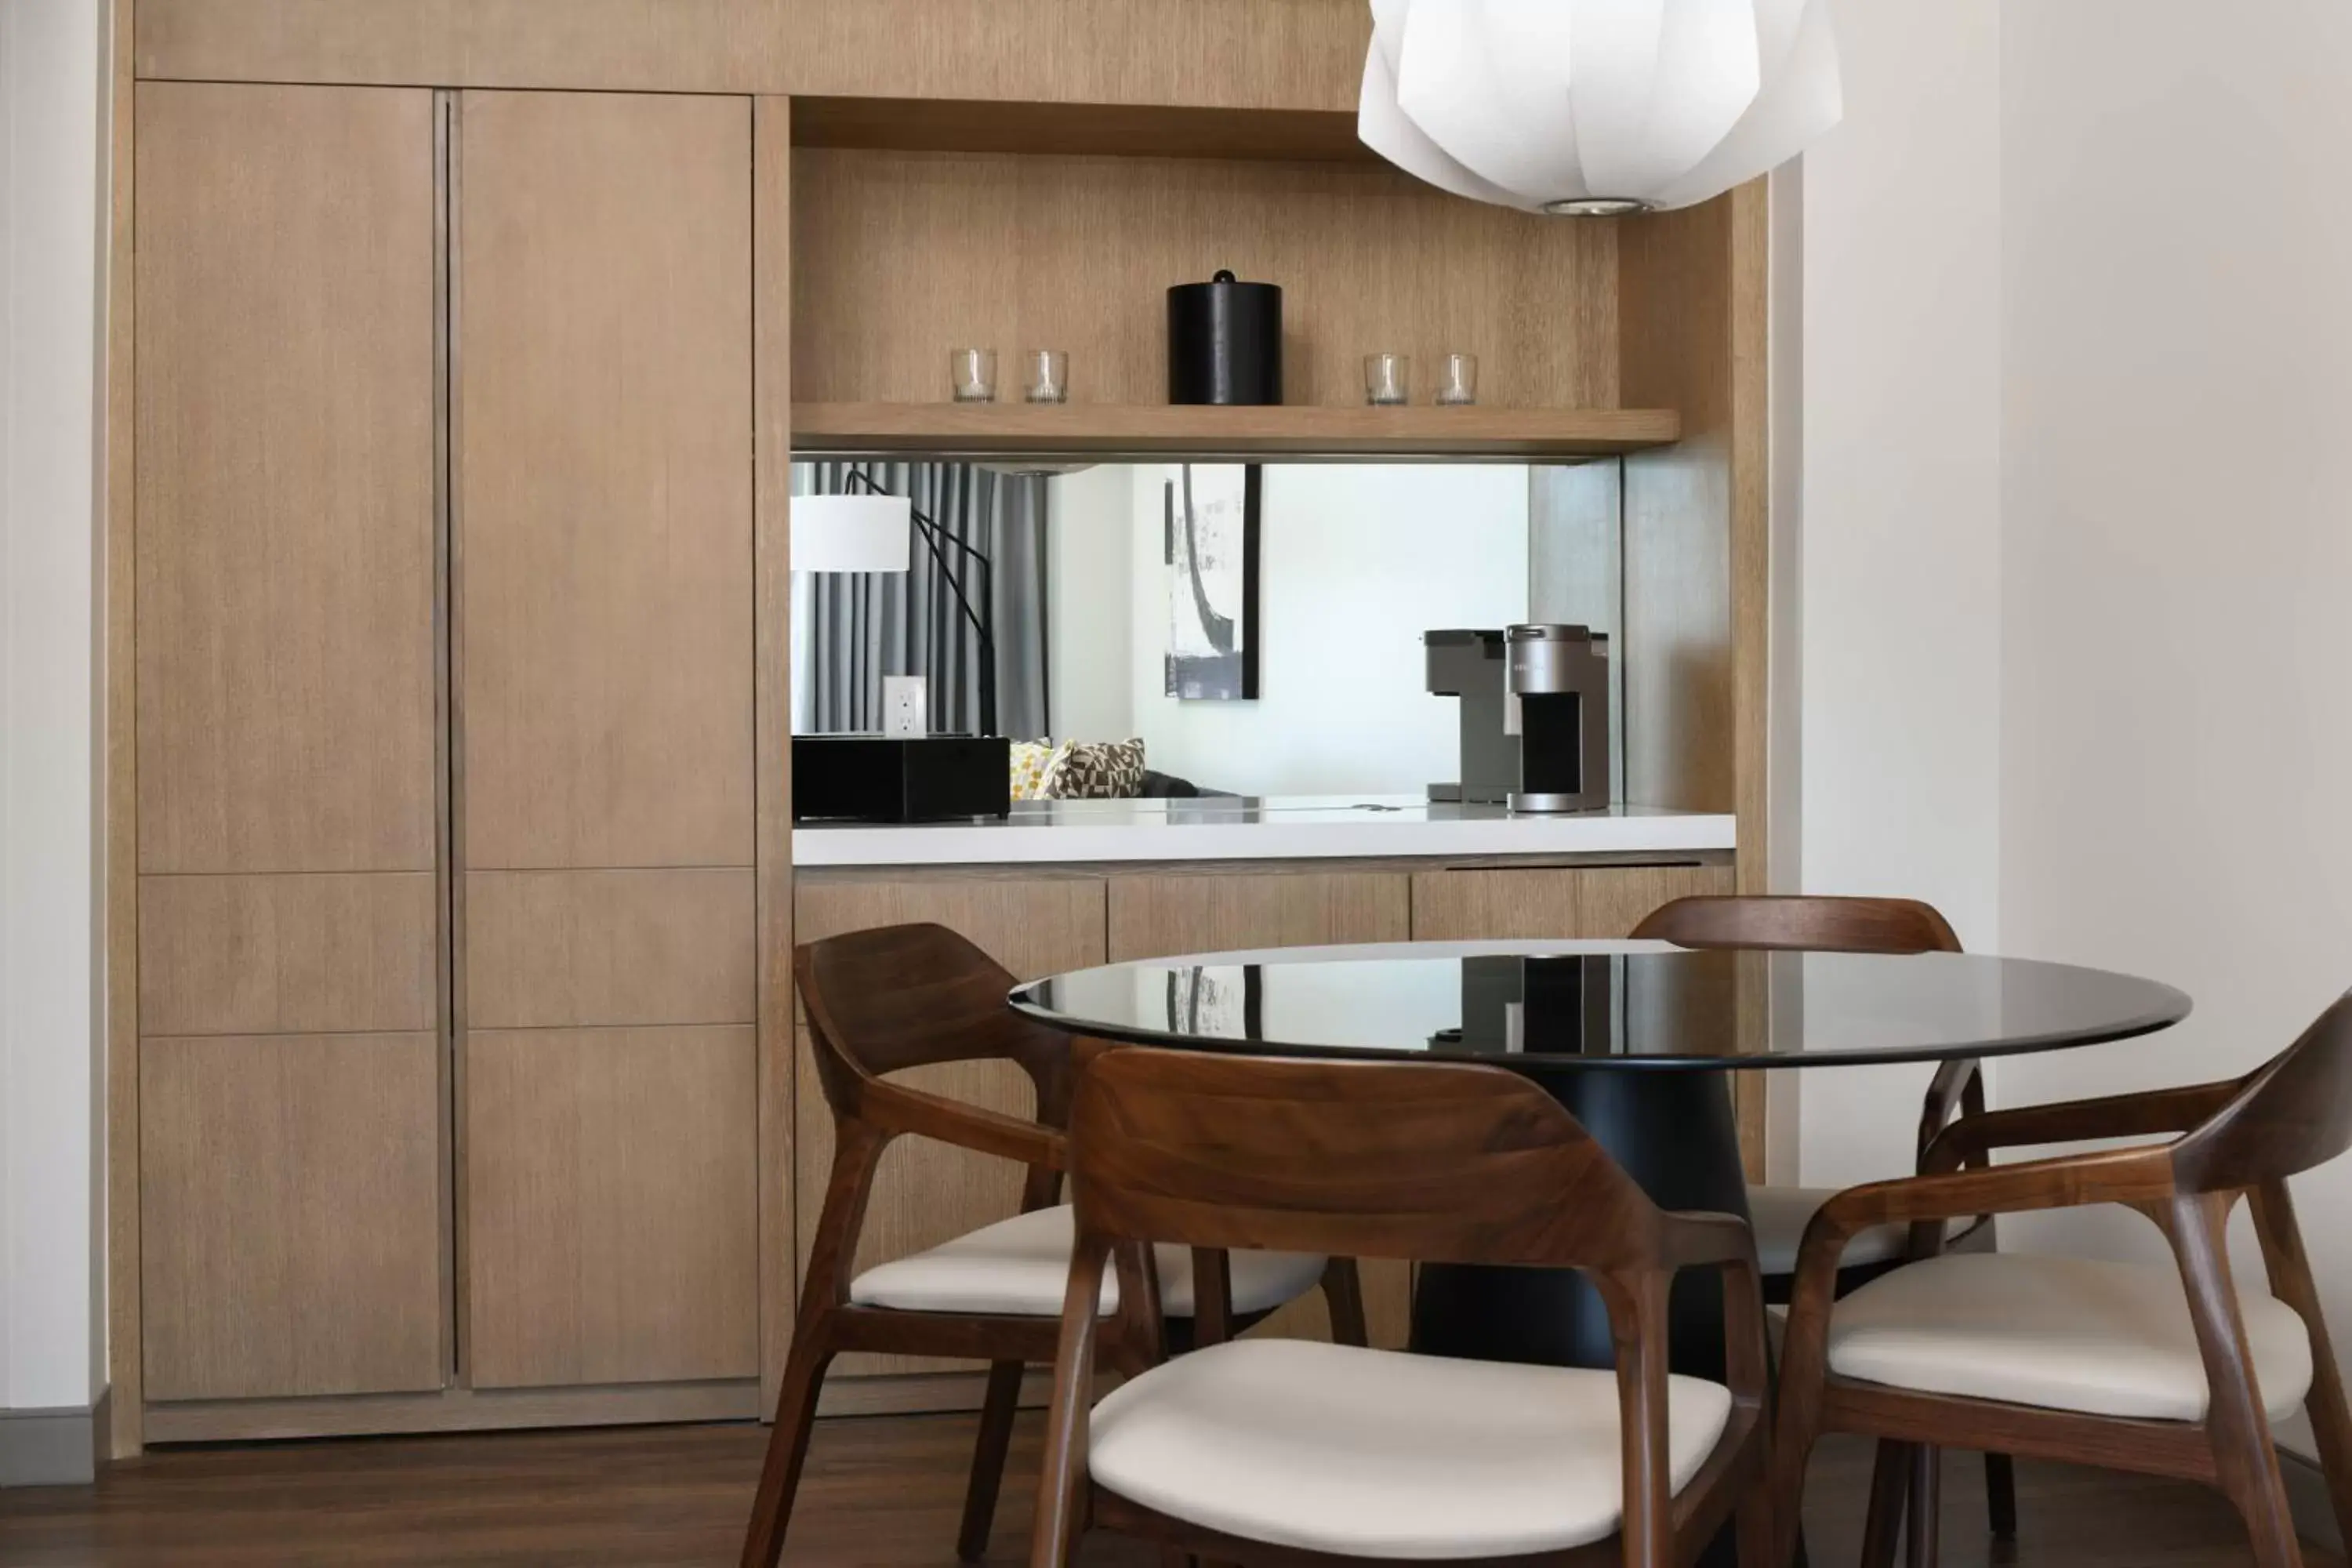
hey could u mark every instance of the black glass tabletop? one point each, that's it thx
(1587, 1004)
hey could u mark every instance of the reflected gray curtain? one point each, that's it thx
(866, 624)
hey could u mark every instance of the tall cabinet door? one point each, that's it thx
(291, 1126)
(603, 452)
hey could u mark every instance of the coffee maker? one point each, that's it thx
(1534, 715)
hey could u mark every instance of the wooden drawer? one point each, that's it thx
(339, 952)
(1532, 903)
(552, 948)
(612, 1205)
(290, 1216)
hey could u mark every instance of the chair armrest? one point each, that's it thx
(1692, 1239)
(2143, 1115)
(2069, 1181)
(896, 1109)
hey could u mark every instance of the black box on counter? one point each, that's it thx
(900, 778)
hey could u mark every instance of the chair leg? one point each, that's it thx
(1343, 1292)
(1890, 1484)
(788, 1441)
(996, 1413)
(2289, 1267)
(1926, 1510)
(2000, 1496)
(2244, 1460)
(1756, 1537)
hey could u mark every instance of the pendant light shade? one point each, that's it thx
(1596, 106)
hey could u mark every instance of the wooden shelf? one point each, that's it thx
(1106, 431)
(1117, 130)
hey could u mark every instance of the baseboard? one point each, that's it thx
(55, 1447)
(2306, 1495)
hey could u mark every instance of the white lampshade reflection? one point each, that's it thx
(851, 534)
(1596, 105)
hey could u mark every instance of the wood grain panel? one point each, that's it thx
(1199, 431)
(1299, 54)
(1681, 719)
(285, 576)
(1219, 54)
(927, 1192)
(903, 255)
(1538, 902)
(1104, 130)
(266, 955)
(126, 1397)
(551, 948)
(605, 489)
(772, 402)
(289, 1201)
(612, 1189)
(1692, 304)
(699, 46)
(1158, 917)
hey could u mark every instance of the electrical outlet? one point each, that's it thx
(904, 705)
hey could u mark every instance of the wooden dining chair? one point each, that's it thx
(882, 1001)
(1780, 1212)
(1293, 1453)
(2166, 1371)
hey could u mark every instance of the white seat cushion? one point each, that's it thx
(1021, 1268)
(1380, 1454)
(1779, 1215)
(2064, 1333)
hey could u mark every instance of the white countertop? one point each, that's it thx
(1288, 827)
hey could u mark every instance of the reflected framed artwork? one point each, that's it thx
(1212, 553)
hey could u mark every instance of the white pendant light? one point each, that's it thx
(1596, 106)
(851, 534)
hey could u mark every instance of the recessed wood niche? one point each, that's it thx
(452, 1077)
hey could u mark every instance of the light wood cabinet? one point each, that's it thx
(444, 667)
(1535, 902)
(603, 449)
(285, 576)
(612, 1210)
(552, 948)
(1160, 916)
(603, 629)
(291, 1133)
(290, 1204)
(288, 955)
(926, 1193)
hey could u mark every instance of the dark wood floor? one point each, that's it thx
(880, 1493)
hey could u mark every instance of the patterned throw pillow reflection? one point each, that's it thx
(1030, 761)
(1110, 770)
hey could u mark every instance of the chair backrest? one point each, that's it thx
(2291, 1114)
(910, 995)
(1441, 1162)
(1810, 923)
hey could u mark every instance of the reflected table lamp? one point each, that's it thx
(871, 533)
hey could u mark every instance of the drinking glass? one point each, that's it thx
(1049, 375)
(1457, 386)
(1387, 379)
(972, 374)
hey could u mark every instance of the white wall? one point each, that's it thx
(2177, 534)
(2145, 300)
(1898, 569)
(1089, 546)
(1355, 562)
(51, 1045)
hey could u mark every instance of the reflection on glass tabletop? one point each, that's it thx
(1604, 1004)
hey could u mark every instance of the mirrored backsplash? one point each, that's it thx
(1257, 627)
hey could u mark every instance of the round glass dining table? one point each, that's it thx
(1637, 1040)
